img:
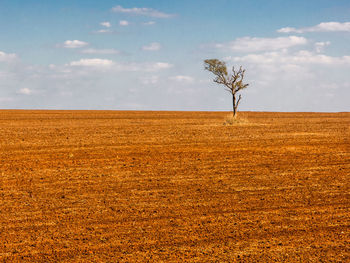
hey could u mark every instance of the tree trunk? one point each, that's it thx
(234, 105)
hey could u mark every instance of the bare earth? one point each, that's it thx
(113, 186)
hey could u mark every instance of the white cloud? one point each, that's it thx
(155, 46)
(6, 99)
(301, 57)
(297, 81)
(322, 27)
(3, 74)
(288, 30)
(97, 63)
(94, 62)
(159, 66)
(25, 91)
(146, 67)
(106, 24)
(5, 57)
(74, 44)
(103, 31)
(331, 27)
(151, 80)
(141, 11)
(149, 23)
(283, 80)
(182, 78)
(100, 51)
(254, 44)
(319, 46)
(123, 23)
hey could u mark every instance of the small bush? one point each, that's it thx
(234, 120)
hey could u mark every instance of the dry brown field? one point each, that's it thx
(114, 186)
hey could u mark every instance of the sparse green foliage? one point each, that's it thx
(233, 82)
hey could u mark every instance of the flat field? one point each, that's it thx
(114, 186)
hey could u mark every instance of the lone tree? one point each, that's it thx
(233, 82)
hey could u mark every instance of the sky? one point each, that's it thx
(148, 54)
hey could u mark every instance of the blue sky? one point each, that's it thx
(148, 55)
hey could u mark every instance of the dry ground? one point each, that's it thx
(109, 186)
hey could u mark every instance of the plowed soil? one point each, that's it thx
(113, 186)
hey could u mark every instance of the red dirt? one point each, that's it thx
(112, 186)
